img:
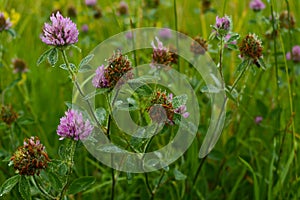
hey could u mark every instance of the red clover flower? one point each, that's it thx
(257, 5)
(99, 80)
(296, 54)
(73, 126)
(61, 32)
(90, 2)
(223, 25)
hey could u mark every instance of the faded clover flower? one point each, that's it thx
(165, 33)
(257, 5)
(61, 32)
(251, 48)
(90, 2)
(258, 119)
(97, 12)
(123, 8)
(287, 21)
(162, 55)
(129, 35)
(30, 158)
(5, 23)
(19, 66)
(295, 54)
(84, 28)
(199, 46)
(206, 4)
(152, 3)
(165, 100)
(8, 115)
(73, 126)
(72, 12)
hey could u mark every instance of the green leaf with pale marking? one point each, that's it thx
(100, 114)
(210, 89)
(55, 181)
(24, 188)
(43, 57)
(9, 184)
(179, 100)
(81, 184)
(233, 38)
(86, 60)
(179, 176)
(53, 57)
(232, 46)
(85, 68)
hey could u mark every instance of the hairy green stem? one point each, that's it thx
(158, 183)
(293, 82)
(239, 77)
(221, 49)
(176, 29)
(74, 79)
(70, 164)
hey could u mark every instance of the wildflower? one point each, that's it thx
(165, 33)
(61, 32)
(258, 119)
(19, 66)
(152, 3)
(123, 8)
(90, 3)
(129, 35)
(287, 21)
(182, 111)
(13, 17)
(5, 23)
(97, 13)
(8, 115)
(161, 55)
(257, 5)
(163, 100)
(271, 33)
(206, 5)
(198, 46)
(118, 67)
(73, 126)
(99, 80)
(72, 12)
(223, 25)
(30, 158)
(295, 53)
(85, 28)
(251, 48)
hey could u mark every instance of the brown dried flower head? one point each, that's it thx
(251, 48)
(19, 66)
(118, 66)
(199, 46)
(284, 20)
(161, 98)
(8, 115)
(162, 55)
(30, 158)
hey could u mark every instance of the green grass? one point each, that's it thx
(250, 161)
